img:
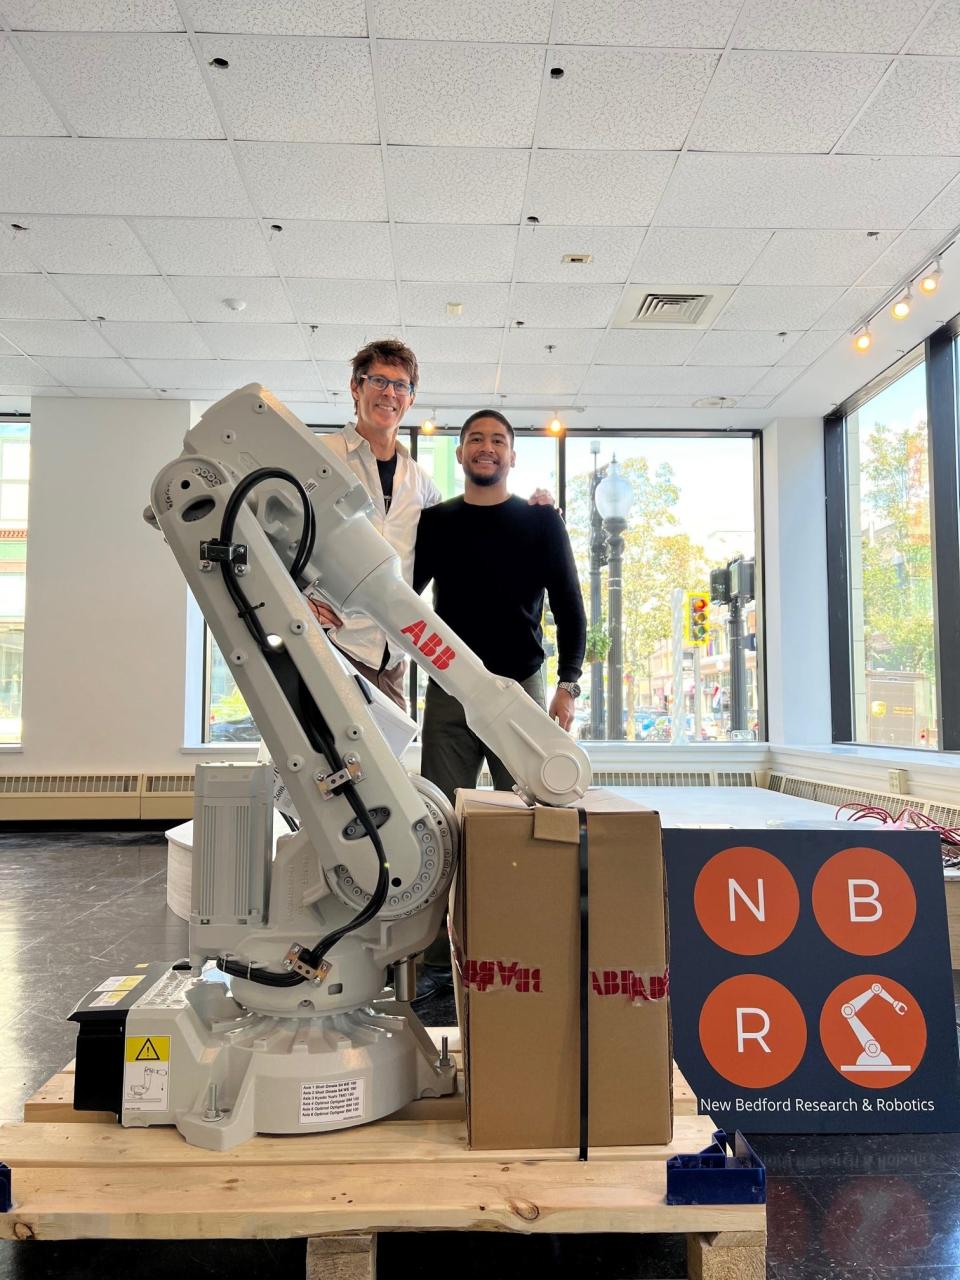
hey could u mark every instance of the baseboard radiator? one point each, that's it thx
(81, 797)
(836, 794)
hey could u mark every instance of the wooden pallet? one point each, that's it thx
(80, 1175)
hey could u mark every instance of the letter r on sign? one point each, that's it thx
(743, 1034)
(870, 901)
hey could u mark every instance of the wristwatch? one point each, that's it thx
(571, 687)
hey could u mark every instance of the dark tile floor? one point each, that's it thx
(74, 907)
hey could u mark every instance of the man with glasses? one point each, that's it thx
(383, 386)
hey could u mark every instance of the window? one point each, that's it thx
(14, 487)
(691, 510)
(893, 662)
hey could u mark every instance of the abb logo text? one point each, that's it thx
(636, 986)
(484, 974)
(440, 654)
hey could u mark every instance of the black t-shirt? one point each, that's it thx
(490, 567)
(387, 469)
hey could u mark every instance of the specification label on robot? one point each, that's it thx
(331, 1100)
(146, 1073)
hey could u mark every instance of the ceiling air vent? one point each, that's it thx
(648, 306)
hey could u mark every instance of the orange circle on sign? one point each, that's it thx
(864, 901)
(873, 1031)
(752, 1031)
(746, 901)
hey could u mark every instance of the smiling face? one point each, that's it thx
(486, 454)
(377, 411)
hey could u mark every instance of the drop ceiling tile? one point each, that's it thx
(7, 348)
(848, 310)
(671, 381)
(455, 379)
(542, 249)
(541, 379)
(753, 402)
(493, 20)
(331, 249)
(125, 85)
(567, 346)
(254, 341)
(18, 370)
(436, 252)
(762, 101)
(676, 24)
(122, 176)
(336, 378)
(23, 108)
(287, 90)
(590, 188)
(624, 401)
(228, 374)
(694, 402)
(470, 95)
(92, 15)
(561, 306)
(731, 346)
(105, 246)
(775, 381)
(943, 211)
(942, 33)
(818, 257)
(440, 346)
(310, 180)
(766, 307)
(122, 297)
(810, 347)
(156, 340)
(854, 26)
(31, 297)
(205, 246)
(426, 304)
(831, 192)
(280, 17)
(75, 371)
(56, 337)
(622, 99)
(12, 257)
(117, 393)
(204, 298)
(694, 256)
(650, 347)
(908, 256)
(916, 112)
(342, 342)
(372, 302)
(449, 184)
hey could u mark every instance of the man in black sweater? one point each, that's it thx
(491, 558)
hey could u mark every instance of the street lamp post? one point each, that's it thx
(598, 558)
(614, 498)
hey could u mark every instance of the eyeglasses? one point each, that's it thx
(376, 380)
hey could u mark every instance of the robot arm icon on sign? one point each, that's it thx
(872, 1056)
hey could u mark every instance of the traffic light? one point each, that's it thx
(696, 620)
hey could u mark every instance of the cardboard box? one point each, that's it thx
(515, 922)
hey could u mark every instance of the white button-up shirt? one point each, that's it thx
(412, 491)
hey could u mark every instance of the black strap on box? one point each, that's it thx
(584, 988)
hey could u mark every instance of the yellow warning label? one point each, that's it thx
(148, 1049)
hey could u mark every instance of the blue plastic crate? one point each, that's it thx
(724, 1173)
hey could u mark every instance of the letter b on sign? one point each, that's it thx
(864, 901)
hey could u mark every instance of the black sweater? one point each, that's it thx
(490, 567)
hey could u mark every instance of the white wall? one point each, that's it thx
(795, 579)
(104, 642)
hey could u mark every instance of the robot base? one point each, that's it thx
(287, 1075)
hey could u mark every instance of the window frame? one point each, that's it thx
(940, 354)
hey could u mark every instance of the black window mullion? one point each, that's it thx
(944, 529)
(838, 577)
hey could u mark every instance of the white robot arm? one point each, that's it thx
(256, 509)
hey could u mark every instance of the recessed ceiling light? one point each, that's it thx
(715, 402)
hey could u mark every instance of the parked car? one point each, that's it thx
(242, 730)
